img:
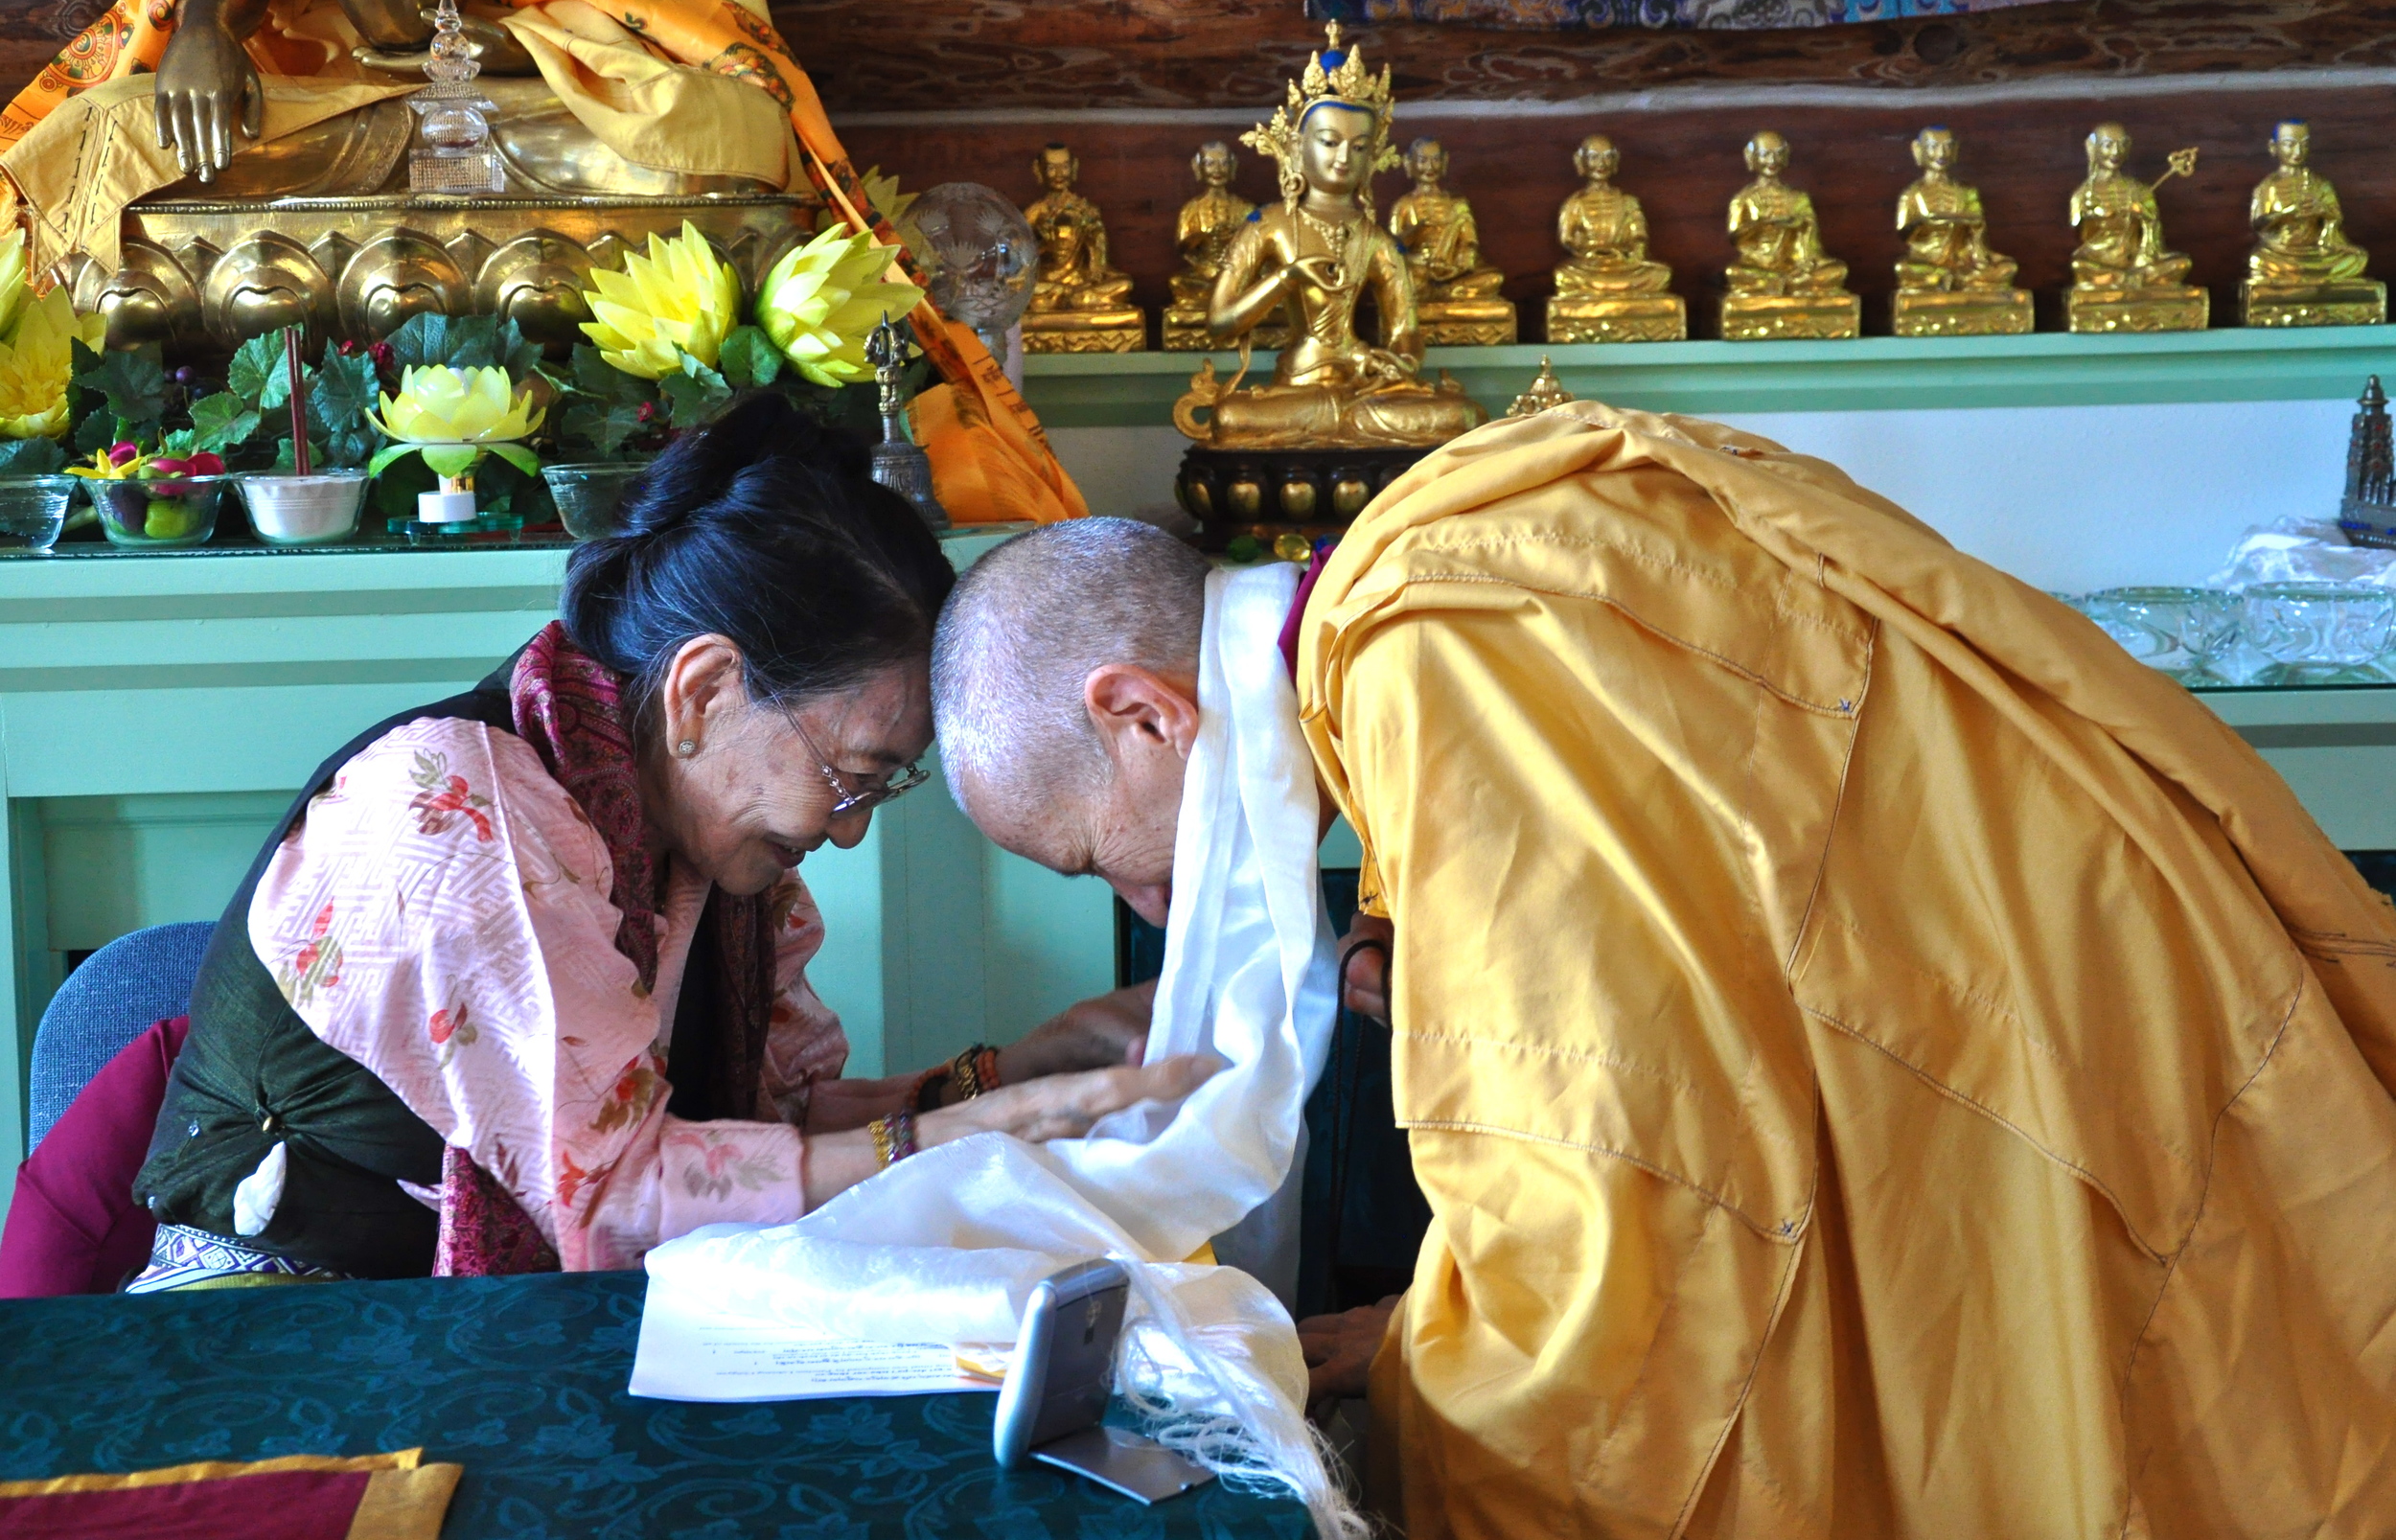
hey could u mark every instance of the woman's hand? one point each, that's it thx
(1064, 1106)
(1339, 1350)
(1096, 1034)
(1365, 987)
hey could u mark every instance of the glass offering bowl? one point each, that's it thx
(2178, 631)
(2320, 632)
(141, 513)
(32, 511)
(316, 509)
(587, 496)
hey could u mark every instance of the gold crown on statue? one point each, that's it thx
(1337, 76)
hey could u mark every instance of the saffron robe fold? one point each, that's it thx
(1881, 1061)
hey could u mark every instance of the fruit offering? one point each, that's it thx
(153, 499)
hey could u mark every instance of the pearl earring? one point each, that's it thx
(687, 747)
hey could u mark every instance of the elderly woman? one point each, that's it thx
(521, 981)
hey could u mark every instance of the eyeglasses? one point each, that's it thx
(848, 797)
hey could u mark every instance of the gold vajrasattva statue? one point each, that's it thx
(1949, 282)
(2303, 271)
(1455, 294)
(1608, 291)
(1204, 232)
(1079, 302)
(2122, 278)
(1783, 285)
(1311, 258)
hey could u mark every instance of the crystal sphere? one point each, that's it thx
(978, 254)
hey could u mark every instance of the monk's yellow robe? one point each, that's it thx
(1881, 1062)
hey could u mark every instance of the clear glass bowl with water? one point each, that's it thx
(2320, 632)
(32, 511)
(588, 495)
(2180, 631)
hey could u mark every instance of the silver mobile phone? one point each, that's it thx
(1056, 1392)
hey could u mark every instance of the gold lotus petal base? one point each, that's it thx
(1269, 494)
(1630, 318)
(2363, 303)
(1466, 323)
(1982, 313)
(1792, 317)
(2144, 310)
(1185, 332)
(1119, 331)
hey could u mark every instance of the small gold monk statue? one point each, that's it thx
(1949, 282)
(1783, 285)
(2303, 271)
(1079, 304)
(1608, 291)
(1204, 232)
(1310, 258)
(1455, 294)
(2122, 278)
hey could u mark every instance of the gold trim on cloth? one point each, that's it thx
(405, 1499)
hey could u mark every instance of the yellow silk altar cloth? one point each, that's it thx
(647, 77)
(1881, 1061)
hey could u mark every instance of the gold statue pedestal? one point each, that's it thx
(1466, 323)
(1185, 332)
(1792, 317)
(1963, 313)
(1623, 318)
(2179, 308)
(1269, 494)
(1120, 329)
(2359, 302)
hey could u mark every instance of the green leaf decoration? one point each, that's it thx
(696, 392)
(221, 421)
(345, 387)
(519, 356)
(384, 457)
(30, 458)
(602, 380)
(421, 339)
(133, 383)
(258, 375)
(517, 456)
(748, 358)
(94, 433)
(451, 459)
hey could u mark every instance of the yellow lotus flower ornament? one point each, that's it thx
(822, 300)
(454, 417)
(37, 363)
(680, 298)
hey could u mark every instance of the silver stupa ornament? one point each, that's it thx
(453, 153)
(899, 462)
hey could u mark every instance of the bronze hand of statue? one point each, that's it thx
(1320, 272)
(207, 87)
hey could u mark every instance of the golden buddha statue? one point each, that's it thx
(2122, 278)
(1310, 258)
(1456, 295)
(1608, 291)
(2303, 271)
(1783, 285)
(233, 204)
(1202, 233)
(1079, 304)
(1949, 282)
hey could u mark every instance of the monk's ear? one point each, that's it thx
(700, 690)
(1137, 711)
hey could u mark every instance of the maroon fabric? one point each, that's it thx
(280, 1505)
(1298, 609)
(73, 1225)
(485, 1232)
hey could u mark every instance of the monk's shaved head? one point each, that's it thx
(1021, 636)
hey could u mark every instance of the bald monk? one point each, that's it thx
(1881, 1062)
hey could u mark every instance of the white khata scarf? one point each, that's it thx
(948, 1245)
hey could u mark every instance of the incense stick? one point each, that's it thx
(299, 400)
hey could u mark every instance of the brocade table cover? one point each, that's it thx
(521, 1381)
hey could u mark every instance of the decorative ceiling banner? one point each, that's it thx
(1567, 15)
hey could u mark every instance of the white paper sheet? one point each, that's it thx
(689, 1352)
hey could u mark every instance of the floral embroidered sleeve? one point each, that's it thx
(806, 1048)
(441, 916)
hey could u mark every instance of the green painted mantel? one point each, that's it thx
(1868, 374)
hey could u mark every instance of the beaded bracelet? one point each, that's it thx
(893, 1136)
(974, 1072)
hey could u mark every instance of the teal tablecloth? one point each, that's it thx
(521, 1381)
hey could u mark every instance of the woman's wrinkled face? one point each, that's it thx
(738, 789)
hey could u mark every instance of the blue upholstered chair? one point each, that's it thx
(108, 1002)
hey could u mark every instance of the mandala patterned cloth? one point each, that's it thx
(1563, 15)
(181, 1257)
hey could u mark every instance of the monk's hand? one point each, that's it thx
(1365, 985)
(207, 91)
(1096, 1034)
(1339, 1350)
(1063, 1107)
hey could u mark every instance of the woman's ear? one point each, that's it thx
(702, 686)
(1137, 710)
